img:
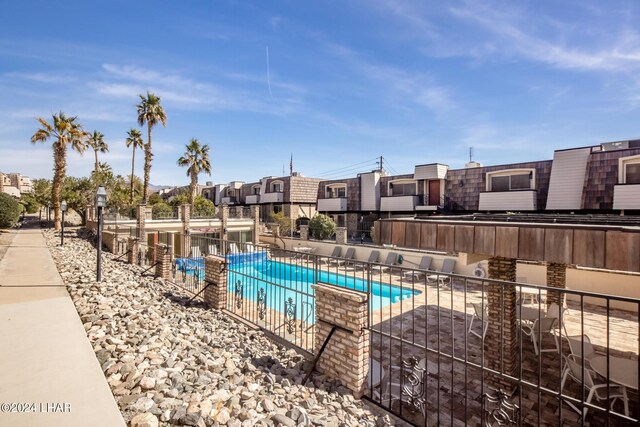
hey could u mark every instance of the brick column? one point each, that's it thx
(255, 215)
(501, 342)
(224, 220)
(141, 217)
(132, 258)
(163, 261)
(304, 232)
(215, 276)
(341, 235)
(556, 278)
(346, 357)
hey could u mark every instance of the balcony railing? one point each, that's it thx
(517, 200)
(399, 203)
(272, 198)
(626, 196)
(337, 204)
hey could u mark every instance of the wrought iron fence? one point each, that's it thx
(454, 350)
(174, 214)
(239, 211)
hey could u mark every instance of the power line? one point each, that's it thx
(391, 168)
(360, 164)
(346, 174)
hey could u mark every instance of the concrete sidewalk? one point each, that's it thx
(45, 356)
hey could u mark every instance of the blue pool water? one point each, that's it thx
(282, 281)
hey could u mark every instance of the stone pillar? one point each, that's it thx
(132, 257)
(501, 342)
(215, 277)
(163, 261)
(304, 232)
(225, 220)
(87, 212)
(141, 217)
(346, 357)
(556, 278)
(341, 235)
(255, 215)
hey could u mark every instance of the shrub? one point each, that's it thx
(203, 207)
(162, 209)
(283, 221)
(9, 211)
(322, 227)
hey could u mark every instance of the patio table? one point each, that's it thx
(621, 371)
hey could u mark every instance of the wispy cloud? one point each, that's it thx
(189, 93)
(419, 88)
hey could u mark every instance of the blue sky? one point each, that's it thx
(343, 81)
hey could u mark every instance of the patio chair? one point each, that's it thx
(540, 327)
(337, 250)
(588, 379)
(558, 313)
(448, 265)
(348, 258)
(576, 344)
(388, 264)
(233, 248)
(249, 247)
(425, 265)
(374, 256)
(481, 313)
(212, 250)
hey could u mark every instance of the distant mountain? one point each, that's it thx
(156, 188)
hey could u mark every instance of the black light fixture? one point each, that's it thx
(101, 202)
(63, 208)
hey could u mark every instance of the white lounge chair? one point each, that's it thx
(448, 265)
(540, 327)
(596, 388)
(481, 313)
(425, 265)
(195, 252)
(212, 250)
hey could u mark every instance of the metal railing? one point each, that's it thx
(447, 349)
(464, 351)
(174, 214)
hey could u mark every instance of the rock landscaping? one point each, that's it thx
(171, 362)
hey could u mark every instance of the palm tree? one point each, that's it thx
(64, 130)
(197, 159)
(151, 112)
(134, 139)
(96, 141)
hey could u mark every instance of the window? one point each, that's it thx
(402, 188)
(510, 180)
(255, 189)
(276, 186)
(337, 191)
(632, 173)
(277, 208)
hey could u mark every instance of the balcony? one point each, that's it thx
(252, 199)
(272, 198)
(398, 203)
(516, 200)
(336, 204)
(228, 200)
(626, 196)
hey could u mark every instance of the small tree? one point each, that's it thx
(9, 211)
(322, 226)
(203, 207)
(161, 209)
(284, 222)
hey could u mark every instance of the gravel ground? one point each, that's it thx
(169, 362)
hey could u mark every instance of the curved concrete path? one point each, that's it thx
(45, 356)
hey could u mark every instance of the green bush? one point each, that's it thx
(162, 209)
(9, 211)
(203, 207)
(283, 221)
(322, 227)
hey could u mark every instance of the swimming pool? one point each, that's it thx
(282, 281)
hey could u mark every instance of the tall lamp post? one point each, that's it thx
(101, 202)
(63, 208)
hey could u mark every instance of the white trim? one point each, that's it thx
(279, 181)
(509, 172)
(329, 187)
(622, 167)
(402, 181)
